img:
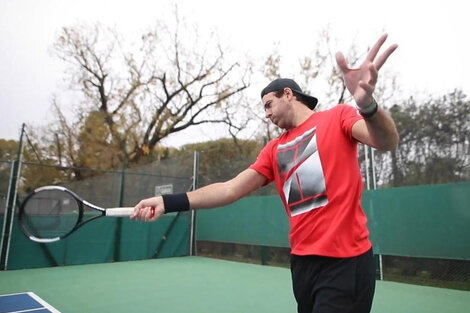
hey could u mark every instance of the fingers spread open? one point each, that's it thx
(384, 56)
(375, 49)
(343, 65)
(373, 74)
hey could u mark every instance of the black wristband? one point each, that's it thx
(371, 113)
(176, 202)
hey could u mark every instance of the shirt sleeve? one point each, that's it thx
(264, 162)
(348, 117)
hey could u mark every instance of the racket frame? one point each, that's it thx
(80, 222)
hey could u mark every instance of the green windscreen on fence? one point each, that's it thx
(257, 220)
(421, 221)
(97, 242)
(106, 239)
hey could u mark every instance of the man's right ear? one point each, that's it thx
(288, 92)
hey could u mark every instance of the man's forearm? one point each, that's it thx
(214, 195)
(220, 194)
(382, 130)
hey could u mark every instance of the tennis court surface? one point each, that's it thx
(197, 284)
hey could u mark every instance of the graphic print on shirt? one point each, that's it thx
(300, 168)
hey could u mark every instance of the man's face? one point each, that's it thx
(276, 109)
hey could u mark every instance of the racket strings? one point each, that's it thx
(50, 213)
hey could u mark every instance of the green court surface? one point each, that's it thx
(199, 285)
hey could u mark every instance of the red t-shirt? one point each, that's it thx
(316, 170)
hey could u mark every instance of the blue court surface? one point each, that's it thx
(24, 302)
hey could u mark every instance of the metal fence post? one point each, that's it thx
(192, 232)
(10, 205)
(118, 230)
(371, 183)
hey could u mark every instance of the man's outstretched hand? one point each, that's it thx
(361, 81)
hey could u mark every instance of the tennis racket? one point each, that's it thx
(52, 213)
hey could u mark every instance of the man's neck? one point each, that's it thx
(301, 114)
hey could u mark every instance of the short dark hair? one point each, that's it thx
(279, 93)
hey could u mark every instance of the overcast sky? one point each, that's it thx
(432, 58)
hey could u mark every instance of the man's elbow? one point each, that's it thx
(390, 144)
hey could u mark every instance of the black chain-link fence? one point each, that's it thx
(5, 172)
(124, 187)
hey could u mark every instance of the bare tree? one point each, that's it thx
(170, 80)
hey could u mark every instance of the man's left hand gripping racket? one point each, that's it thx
(52, 213)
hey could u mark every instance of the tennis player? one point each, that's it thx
(315, 168)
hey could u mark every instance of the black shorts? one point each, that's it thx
(333, 285)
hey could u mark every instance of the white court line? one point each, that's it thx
(44, 303)
(31, 310)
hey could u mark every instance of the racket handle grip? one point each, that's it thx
(120, 212)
